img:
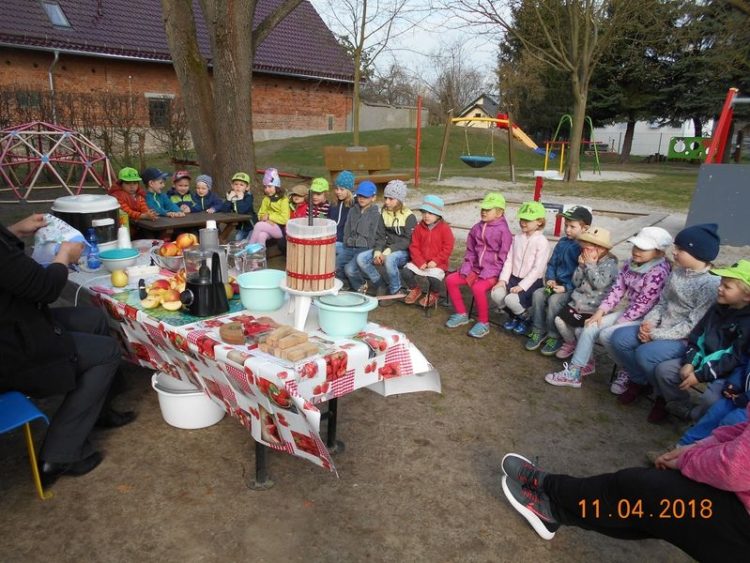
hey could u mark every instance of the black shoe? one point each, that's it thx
(50, 471)
(110, 418)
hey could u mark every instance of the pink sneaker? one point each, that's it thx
(568, 376)
(589, 368)
(566, 350)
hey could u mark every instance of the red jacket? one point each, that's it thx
(435, 244)
(133, 205)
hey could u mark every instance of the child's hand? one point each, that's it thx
(471, 277)
(669, 459)
(730, 391)
(688, 382)
(210, 210)
(551, 283)
(741, 400)
(644, 332)
(590, 255)
(500, 284)
(264, 217)
(594, 319)
(378, 260)
(423, 266)
(686, 371)
(432, 264)
(185, 208)
(516, 289)
(559, 289)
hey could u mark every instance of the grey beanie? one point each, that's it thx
(395, 189)
(206, 179)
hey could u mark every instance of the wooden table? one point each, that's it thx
(164, 226)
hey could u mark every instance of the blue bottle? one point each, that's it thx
(92, 259)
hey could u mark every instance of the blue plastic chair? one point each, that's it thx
(16, 410)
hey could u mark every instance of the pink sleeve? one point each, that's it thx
(508, 264)
(615, 294)
(541, 255)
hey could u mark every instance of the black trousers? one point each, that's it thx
(99, 356)
(425, 283)
(638, 503)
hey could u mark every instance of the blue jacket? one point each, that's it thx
(339, 213)
(209, 201)
(242, 206)
(563, 262)
(161, 203)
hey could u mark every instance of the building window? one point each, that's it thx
(158, 112)
(331, 122)
(55, 14)
(478, 114)
(28, 99)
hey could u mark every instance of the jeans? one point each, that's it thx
(545, 308)
(721, 413)
(479, 289)
(347, 268)
(640, 359)
(668, 379)
(589, 334)
(392, 262)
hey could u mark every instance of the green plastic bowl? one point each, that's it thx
(345, 314)
(119, 258)
(260, 290)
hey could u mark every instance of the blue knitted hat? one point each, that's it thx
(700, 241)
(345, 179)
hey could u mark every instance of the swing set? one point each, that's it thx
(556, 143)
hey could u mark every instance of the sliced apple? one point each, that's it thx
(171, 305)
(159, 284)
(150, 302)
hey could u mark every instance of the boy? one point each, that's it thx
(180, 192)
(157, 201)
(716, 346)
(548, 301)
(363, 227)
(127, 190)
(205, 199)
(240, 201)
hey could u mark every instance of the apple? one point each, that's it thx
(229, 291)
(236, 288)
(172, 305)
(186, 240)
(119, 278)
(159, 284)
(170, 295)
(150, 302)
(168, 249)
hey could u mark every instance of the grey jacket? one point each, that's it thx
(363, 229)
(592, 282)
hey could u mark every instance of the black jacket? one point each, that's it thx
(719, 342)
(37, 356)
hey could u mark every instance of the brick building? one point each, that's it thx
(82, 61)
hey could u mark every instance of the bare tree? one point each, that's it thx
(219, 111)
(569, 34)
(394, 86)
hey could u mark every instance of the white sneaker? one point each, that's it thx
(620, 384)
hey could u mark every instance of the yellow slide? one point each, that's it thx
(524, 138)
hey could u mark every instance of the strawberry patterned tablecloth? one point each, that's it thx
(274, 399)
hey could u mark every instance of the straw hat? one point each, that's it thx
(598, 236)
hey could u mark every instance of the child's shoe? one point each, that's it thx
(522, 327)
(536, 337)
(429, 300)
(620, 384)
(362, 289)
(510, 324)
(456, 320)
(658, 412)
(567, 377)
(413, 295)
(533, 505)
(589, 368)
(632, 392)
(479, 330)
(551, 346)
(566, 350)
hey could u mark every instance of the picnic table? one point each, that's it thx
(275, 400)
(164, 226)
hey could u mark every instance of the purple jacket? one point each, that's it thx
(641, 289)
(487, 247)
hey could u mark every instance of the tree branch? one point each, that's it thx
(272, 20)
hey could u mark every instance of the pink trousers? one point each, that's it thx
(263, 230)
(480, 289)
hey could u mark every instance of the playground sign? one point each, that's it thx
(688, 148)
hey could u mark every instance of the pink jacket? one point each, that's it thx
(527, 259)
(722, 460)
(487, 248)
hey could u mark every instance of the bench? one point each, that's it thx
(367, 163)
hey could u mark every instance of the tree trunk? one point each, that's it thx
(580, 95)
(627, 143)
(698, 125)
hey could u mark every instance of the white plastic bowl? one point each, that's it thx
(186, 409)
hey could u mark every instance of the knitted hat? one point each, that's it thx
(242, 177)
(180, 175)
(271, 178)
(700, 241)
(206, 179)
(652, 238)
(319, 185)
(396, 189)
(433, 204)
(366, 189)
(531, 211)
(299, 189)
(153, 174)
(345, 179)
(493, 200)
(598, 236)
(128, 174)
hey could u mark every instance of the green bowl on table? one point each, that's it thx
(118, 258)
(260, 290)
(345, 314)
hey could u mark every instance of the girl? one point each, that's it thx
(522, 273)
(180, 192)
(298, 201)
(640, 282)
(661, 336)
(320, 204)
(240, 201)
(391, 248)
(274, 209)
(342, 189)
(430, 251)
(596, 272)
(205, 199)
(487, 247)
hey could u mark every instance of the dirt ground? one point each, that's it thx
(419, 479)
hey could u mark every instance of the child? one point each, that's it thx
(687, 295)
(339, 210)
(640, 281)
(596, 272)
(430, 252)
(319, 189)
(298, 201)
(130, 196)
(205, 199)
(522, 272)
(363, 227)
(391, 248)
(240, 201)
(180, 192)
(487, 247)
(274, 209)
(716, 347)
(549, 300)
(157, 201)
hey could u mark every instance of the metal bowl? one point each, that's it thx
(172, 263)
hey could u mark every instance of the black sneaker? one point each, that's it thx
(535, 506)
(522, 471)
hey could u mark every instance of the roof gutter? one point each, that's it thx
(51, 76)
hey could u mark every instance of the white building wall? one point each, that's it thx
(647, 139)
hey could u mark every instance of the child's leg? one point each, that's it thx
(710, 395)
(364, 261)
(410, 278)
(624, 342)
(555, 303)
(587, 338)
(606, 332)
(393, 262)
(668, 379)
(539, 310)
(498, 296)
(453, 283)
(264, 230)
(513, 303)
(344, 254)
(480, 289)
(709, 422)
(568, 334)
(435, 285)
(353, 271)
(650, 355)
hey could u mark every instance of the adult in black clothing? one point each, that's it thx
(50, 351)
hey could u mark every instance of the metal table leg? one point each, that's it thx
(261, 482)
(334, 446)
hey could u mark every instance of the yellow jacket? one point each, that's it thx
(278, 210)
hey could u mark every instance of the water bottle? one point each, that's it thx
(93, 262)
